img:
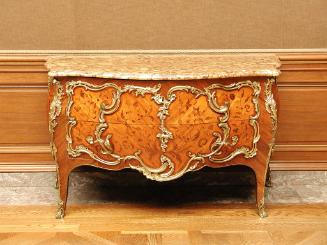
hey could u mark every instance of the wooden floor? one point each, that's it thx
(146, 224)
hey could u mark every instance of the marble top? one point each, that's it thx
(165, 66)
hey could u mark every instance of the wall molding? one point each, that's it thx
(25, 149)
(158, 51)
(31, 167)
(301, 148)
(298, 165)
(41, 166)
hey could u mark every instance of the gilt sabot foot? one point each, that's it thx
(261, 209)
(60, 211)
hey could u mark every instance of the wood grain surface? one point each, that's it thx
(142, 224)
(135, 124)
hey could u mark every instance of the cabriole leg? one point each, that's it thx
(260, 195)
(261, 208)
(57, 179)
(268, 177)
(63, 179)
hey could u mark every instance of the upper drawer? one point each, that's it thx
(194, 103)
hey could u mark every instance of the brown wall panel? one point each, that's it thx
(36, 158)
(301, 138)
(303, 114)
(162, 24)
(23, 115)
(23, 78)
(310, 75)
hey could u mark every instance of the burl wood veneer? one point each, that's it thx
(163, 115)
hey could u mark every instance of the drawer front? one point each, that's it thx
(163, 129)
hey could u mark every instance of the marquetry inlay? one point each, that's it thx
(163, 115)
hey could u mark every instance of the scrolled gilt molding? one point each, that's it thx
(54, 111)
(166, 170)
(270, 103)
(271, 108)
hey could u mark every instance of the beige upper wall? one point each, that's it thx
(162, 24)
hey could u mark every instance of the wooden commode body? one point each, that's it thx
(162, 115)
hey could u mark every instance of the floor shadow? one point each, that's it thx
(230, 185)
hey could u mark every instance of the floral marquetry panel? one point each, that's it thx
(158, 121)
(165, 127)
